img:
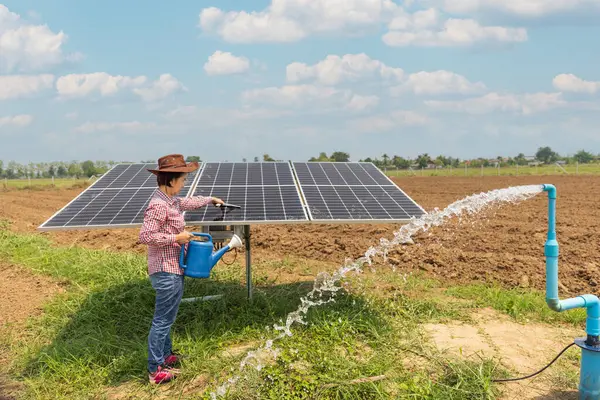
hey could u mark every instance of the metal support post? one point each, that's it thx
(248, 261)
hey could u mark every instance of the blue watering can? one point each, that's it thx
(200, 259)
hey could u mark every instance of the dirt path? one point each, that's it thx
(522, 349)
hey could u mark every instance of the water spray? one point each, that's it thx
(326, 285)
(589, 379)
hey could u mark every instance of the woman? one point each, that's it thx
(163, 231)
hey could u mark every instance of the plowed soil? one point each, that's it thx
(505, 245)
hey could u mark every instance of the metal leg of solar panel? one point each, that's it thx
(248, 261)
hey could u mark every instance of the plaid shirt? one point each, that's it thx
(163, 220)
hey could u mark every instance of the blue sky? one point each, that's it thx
(231, 80)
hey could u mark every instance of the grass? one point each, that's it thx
(521, 304)
(582, 169)
(43, 183)
(91, 340)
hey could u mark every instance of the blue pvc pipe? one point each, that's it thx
(591, 302)
(589, 381)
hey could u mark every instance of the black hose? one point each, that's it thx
(536, 373)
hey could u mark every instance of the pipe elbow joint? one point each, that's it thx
(551, 189)
(554, 304)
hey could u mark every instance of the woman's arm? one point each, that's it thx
(191, 203)
(154, 216)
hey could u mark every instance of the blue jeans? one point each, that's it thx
(169, 291)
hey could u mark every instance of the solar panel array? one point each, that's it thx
(265, 192)
(117, 199)
(351, 192)
(274, 192)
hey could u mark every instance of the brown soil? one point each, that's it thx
(505, 245)
(22, 294)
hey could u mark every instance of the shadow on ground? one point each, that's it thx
(108, 332)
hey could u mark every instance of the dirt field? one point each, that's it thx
(504, 246)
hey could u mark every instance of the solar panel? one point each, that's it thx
(352, 192)
(273, 192)
(117, 199)
(266, 192)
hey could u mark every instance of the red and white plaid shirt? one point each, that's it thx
(163, 220)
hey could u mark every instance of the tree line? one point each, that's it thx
(88, 168)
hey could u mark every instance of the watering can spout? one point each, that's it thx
(235, 242)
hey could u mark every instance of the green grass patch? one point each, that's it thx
(43, 183)
(91, 340)
(521, 304)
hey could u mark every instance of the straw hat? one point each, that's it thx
(174, 163)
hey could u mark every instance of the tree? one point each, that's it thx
(244, 160)
(385, 159)
(88, 168)
(61, 172)
(423, 160)
(75, 170)
(520, 159)
(583, 157)
(322, 157)
(339, 156)
(400, 162)
(255, 159)
(267, 158)
(546, 155)
(52, 171)
(192, 159)
(1, 168)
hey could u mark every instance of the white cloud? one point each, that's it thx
(165, 86)
(225, 63)
(27, 47)
(71, 115)
(386, 122)
(335, 69)
(82, 85)
(227, 115)
(133, 126)
(360, 103)
(309, 97)
(427, 29)
(526, 8)
(291, 95)
(293, 20)
(103, 84)
(16, 120)
(526, 104)
(437, 82)
(15, 86)
(572, 83)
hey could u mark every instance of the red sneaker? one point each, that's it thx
(172, 360)
(161, 375)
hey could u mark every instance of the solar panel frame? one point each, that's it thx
(96, 191)
(278, 166)
(381, 178)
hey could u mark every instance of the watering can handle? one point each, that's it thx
(206, 235)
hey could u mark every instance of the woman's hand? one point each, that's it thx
(183, 237)
(216, 200)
